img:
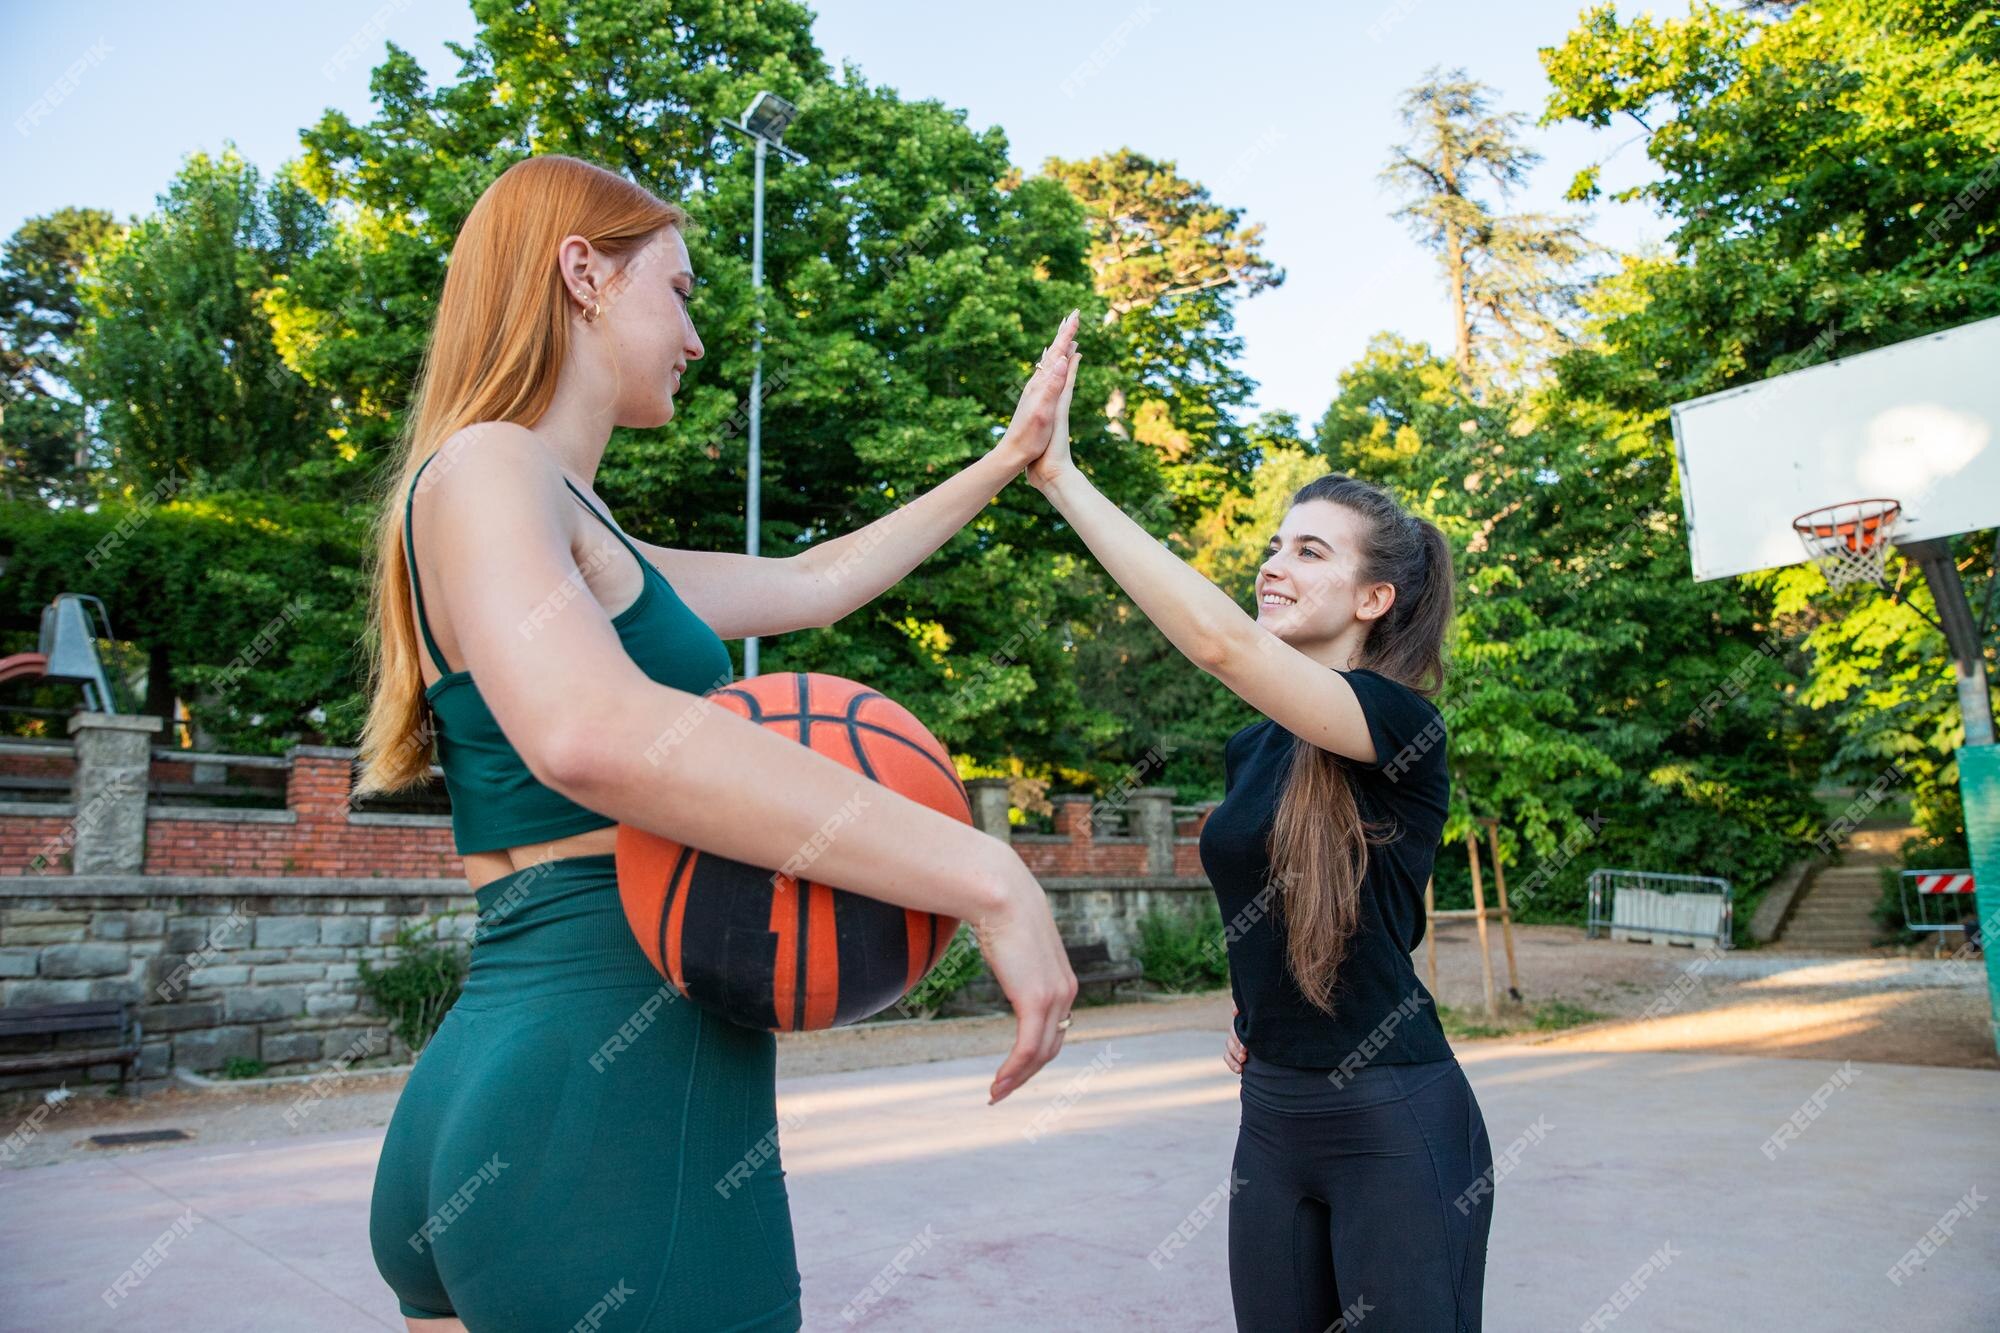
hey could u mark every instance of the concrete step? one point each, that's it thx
(1840, 895)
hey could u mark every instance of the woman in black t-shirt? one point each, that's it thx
(1362, 1180)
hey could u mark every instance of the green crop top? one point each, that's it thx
(495, 801)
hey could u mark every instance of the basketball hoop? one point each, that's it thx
(1849, 541)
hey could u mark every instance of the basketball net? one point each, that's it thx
(1849, 541)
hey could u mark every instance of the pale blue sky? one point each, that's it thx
(1286, 109)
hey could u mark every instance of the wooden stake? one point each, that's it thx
(1479, 908)
(1431, 934)
(1506, 917)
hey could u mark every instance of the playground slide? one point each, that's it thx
(23, 664)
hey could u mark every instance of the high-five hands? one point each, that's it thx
(1042, 403)
(1055, 460)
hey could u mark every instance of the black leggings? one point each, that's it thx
(1369, 1202)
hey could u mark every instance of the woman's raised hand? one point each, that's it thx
(1036, 413)
(1055, 459)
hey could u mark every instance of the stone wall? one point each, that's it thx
(238, 931)
(1109, 910)
(261, 969)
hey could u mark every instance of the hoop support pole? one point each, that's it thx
(1975, 700)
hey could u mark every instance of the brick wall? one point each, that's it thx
(309, 829)
(1078, 848)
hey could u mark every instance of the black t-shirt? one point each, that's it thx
(1382, 1013)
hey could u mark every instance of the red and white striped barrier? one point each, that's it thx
(1944, 881)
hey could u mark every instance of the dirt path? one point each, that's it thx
(1879, 1007)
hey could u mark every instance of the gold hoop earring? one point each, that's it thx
(590, 316)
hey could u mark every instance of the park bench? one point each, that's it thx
(51, 1020)
(1096, 970)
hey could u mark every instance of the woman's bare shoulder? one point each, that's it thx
(487, 456)
(488, 478)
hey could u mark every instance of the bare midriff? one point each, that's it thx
(482, 868)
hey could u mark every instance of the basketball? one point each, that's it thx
(778, 950)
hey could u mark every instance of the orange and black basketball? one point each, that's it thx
(768, 949)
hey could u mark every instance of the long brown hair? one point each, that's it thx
(497, 344)
(1319, 842)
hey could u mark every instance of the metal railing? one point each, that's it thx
(1652, 904)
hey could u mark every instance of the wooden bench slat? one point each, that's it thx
(81, 1023)
(28, 1064)
(69, 1007)
(82, 1016)
(46, 1020)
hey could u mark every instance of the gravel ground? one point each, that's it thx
(1883, 1008)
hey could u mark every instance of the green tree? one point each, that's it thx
(1511, 278)
(1829, 171)
(1169, 719)
(176, 347)
(1580, 655)
(1171, 264)
(45, 440)
(246, 606)
(912, 277)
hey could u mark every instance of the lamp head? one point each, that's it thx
(768, 116)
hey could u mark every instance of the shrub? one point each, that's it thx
(961, 965)
(1183, 950)
(414, 992)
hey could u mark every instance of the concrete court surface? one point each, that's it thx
(917, 1207)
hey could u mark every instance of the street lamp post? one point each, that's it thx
(764, 124)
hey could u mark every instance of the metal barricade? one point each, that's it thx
(1938, 900)
(1651, 905)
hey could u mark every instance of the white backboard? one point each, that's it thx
(1917, 422)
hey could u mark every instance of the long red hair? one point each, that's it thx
(497, 344)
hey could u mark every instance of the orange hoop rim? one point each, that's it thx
(1860, 530)
(1850, 540)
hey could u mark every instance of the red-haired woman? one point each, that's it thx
(1361, 1184)
(535, 1175)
